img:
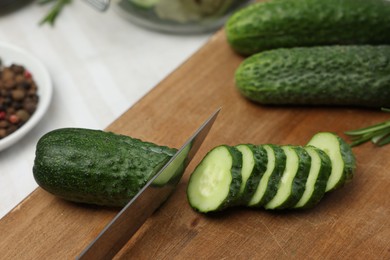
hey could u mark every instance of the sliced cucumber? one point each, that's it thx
(271, 176)
(267, 188)
(248, 164)
(320, 170)
(254, 164)
(276, 175)
(341, 157)
(216, 181)
(293, 181)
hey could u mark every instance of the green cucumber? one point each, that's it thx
(327, 75)
(96, 167)
(320, 170)
(267, 188)
(292, 184)
(254, 165)
(341, 156)
(291, 23)
(216, 181)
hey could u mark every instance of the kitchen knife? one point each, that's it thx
(126, 223)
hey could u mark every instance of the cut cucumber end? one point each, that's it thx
(174, 170)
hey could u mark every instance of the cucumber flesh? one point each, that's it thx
(341, 157)
(285, 185)
(318, 177)
(216, 181)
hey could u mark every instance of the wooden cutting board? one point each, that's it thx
(352, 222)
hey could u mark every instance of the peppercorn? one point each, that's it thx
(14, 119)
(4, 124)
(3, 115)
(30, 105)
(18, 94)
(18, 98)
(3, 133)
(27, 74)
(23, 115)
(7, 74)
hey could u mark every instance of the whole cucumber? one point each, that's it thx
(294, 23)
(96, 167)
(325, 75)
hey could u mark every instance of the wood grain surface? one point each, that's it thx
(350, 223)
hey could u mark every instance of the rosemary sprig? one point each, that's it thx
(379, 134)
(55, 10)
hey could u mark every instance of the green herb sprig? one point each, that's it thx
(379, 134)
(54, 11)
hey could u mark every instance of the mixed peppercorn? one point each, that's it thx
(18, 98)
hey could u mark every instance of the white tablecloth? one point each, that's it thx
(100, 65)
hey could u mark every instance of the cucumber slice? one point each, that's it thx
(267, 188)
(293, 181)
(276, 176)
(341, 157)
(216, 181)
(248, 164)
(320, 170)
(254, 162)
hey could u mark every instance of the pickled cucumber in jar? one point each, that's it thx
(179, 16)
(190, 10)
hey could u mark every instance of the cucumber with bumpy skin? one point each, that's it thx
(96, 167)
(291, 23)
(325, 75)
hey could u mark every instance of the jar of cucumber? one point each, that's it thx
(178, 16)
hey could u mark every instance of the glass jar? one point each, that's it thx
(178, 16)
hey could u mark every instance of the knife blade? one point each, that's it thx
(157, 190)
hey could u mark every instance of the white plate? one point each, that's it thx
(10, 54)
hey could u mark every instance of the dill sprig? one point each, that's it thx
(378, 134)
(54, 11)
